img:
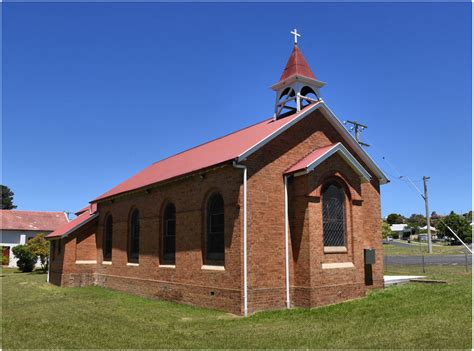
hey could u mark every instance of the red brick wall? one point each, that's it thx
(188, 282)
(266, 222)
(80, 246)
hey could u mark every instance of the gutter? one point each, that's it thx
(94, 216)
(244, 237)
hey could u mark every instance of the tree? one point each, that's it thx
(26, 259)
(416, 220)
(394, 218)
(7, 198)
(386, 230)
(39, 246)
(458, 224)
(468, 216)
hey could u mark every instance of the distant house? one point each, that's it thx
(433, 229)
(400, 230)
(17, 227)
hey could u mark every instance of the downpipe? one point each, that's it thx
(287, 259)
(244, 236)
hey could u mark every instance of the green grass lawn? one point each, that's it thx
(37, 315)
(421, 249)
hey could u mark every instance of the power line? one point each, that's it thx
(425, 198)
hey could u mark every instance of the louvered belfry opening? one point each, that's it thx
(334, 224)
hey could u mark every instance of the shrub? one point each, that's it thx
(4, 260)
(26, 259)
(39, 246)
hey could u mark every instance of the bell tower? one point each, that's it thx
(297, 87)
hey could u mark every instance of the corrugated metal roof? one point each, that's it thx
(31, 220)
(398, 227)
(307, 160)
(76, 223)
(234, 146)
(205, 155)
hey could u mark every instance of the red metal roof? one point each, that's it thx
(77, 222)
(309, 159)
(297, 65)
(89, 207)
(203, 156)
(31, 220)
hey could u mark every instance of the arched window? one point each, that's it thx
(334, 220)
(215, 229)
(107, 245)
(169, 234)
(134, 238)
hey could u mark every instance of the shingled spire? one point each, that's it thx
(298, 86)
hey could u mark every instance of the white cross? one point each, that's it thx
(296, 34)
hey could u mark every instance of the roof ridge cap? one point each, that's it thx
(34, 211)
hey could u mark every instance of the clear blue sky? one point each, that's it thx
(93, 93)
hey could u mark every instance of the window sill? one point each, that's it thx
(132, 264)
(338, 265)
(107, 263)
(335, 249)
(167, 266)
(212, 268)
(86, 262)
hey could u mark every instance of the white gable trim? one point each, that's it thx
(345, 154)
(277, 132)
(75, 227)
(334, 121)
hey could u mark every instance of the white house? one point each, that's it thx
(400, 229)
(17, 227)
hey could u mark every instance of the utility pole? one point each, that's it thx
(428, 224)
(357, 128)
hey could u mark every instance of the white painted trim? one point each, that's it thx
(296, 78)
(335, 249)
(337, 265)
(167, 266)
(49, 261)
(212, 268)
(244, 239)
(287, 259)
(107, 263)
(75, 228)
(132, 264)
(276, 133)
(86, 262)
(345, 154)
(331, 117)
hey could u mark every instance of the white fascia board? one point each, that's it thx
(346, 155)
(297, 78)
(352, 142)
(336, 124)
(76, 227)
(276, 133)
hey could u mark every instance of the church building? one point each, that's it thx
(283, 213)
